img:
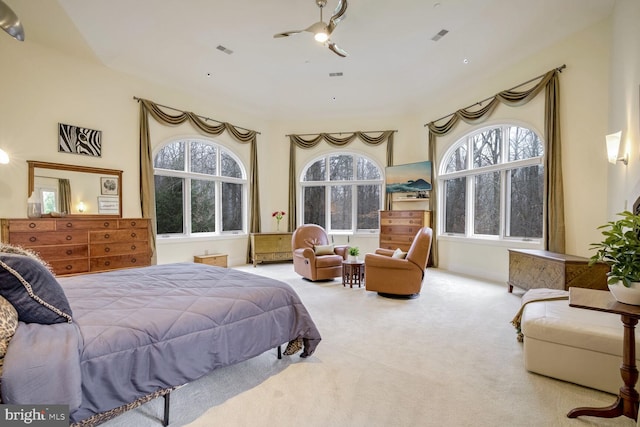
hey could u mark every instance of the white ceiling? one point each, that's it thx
(393, 65)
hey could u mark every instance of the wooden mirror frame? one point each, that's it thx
(74, 168)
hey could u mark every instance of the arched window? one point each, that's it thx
(201, 187)
(492, 184)
(342, 192)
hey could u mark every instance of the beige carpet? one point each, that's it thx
(447, 358)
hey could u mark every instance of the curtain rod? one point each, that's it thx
(559, 69)
(339, 133)
(199, 116)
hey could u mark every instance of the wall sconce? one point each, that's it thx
(4, 157)
(613, 148)
(81, 207)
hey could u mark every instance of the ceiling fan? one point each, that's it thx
(322, 31)
(10, 23)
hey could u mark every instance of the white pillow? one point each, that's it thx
(399, 254)
(323, 249)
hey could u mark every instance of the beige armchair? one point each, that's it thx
(398, 276)
(314, 258)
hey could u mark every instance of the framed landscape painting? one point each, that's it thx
(409, 180)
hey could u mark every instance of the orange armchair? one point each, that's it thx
(396, 276)
(314, 258)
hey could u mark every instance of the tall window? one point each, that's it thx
(492, 183)
(200, 188)
(342, 192)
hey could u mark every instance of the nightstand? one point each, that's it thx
(219, 260)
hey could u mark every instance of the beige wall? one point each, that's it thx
(624, 114)
(43, 87)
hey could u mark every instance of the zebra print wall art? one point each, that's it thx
(77, 140)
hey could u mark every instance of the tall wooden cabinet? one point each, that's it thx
(81, 245)
(398, 228)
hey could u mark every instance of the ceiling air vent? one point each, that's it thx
(440, 35)
(335, 74)
(224, 49)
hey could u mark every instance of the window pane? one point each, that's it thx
(527, 202)
(341, 207)
(368, 207)
(232, 207)
(203, 158)
(455, 207)
(458, 160)
(340, 168)
(169, 204)
(229, 166)
(367, 169)
(316, 171)
(486, 218)
(524, 144)
(171, 156)
(314, 206)
(203, 206)
(486, 148)
(49, 203)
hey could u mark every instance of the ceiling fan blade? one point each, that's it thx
(338, 15)
(10, 23)
(337, 50)
(287, 33)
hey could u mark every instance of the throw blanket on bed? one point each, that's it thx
(146, 329)
(532, 295)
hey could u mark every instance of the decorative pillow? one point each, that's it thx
(32, 290)
(8, 325)
(15, 249)
(323, 250)
(399, 254)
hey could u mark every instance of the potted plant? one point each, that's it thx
(620, 249)
(353, 253)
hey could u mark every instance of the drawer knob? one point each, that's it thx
(32, 225)
(68, 267)
(134, 235)
(107, 249)
(107, 263)
(69, 252)
(133, 223)
(133, 260)
(106, 235)
(69, 238)
(69, 224)
(106, 224)
(133, 247)
(33, 239)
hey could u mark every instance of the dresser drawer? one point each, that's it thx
(133, 223)
(119, 235)
(411, 230)
(92, 224)
(16, 225)
(275, 243)
(402, 214)
(70, 266)
(119, 261)
(61, 252)
(50, 238)
(104, 249)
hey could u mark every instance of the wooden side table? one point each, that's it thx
(352, 273)
(628, 398)
(219, 260)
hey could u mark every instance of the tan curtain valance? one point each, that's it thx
(147, 187)
(554, 239)
(312, 140)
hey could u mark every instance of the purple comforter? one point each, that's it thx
(137, 331)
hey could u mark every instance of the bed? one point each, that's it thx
(126, 336)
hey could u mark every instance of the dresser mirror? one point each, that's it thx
(70, 190)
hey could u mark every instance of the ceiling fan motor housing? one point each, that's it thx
(321, 3)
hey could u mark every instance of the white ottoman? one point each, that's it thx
(574, 344)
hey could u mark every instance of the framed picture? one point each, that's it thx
(108, 205)
(109, 186)
(77, 140)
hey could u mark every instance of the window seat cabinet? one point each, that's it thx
(82, 245)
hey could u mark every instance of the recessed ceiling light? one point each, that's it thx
(465, 61)
(338, 74)
(436, 5)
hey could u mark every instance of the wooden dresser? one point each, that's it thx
(271, 247)
(530, 268)
(81, 245)
(398, 228)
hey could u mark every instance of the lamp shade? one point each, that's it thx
(4, 157)
(613, 146)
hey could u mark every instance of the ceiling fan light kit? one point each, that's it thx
(322, 31)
